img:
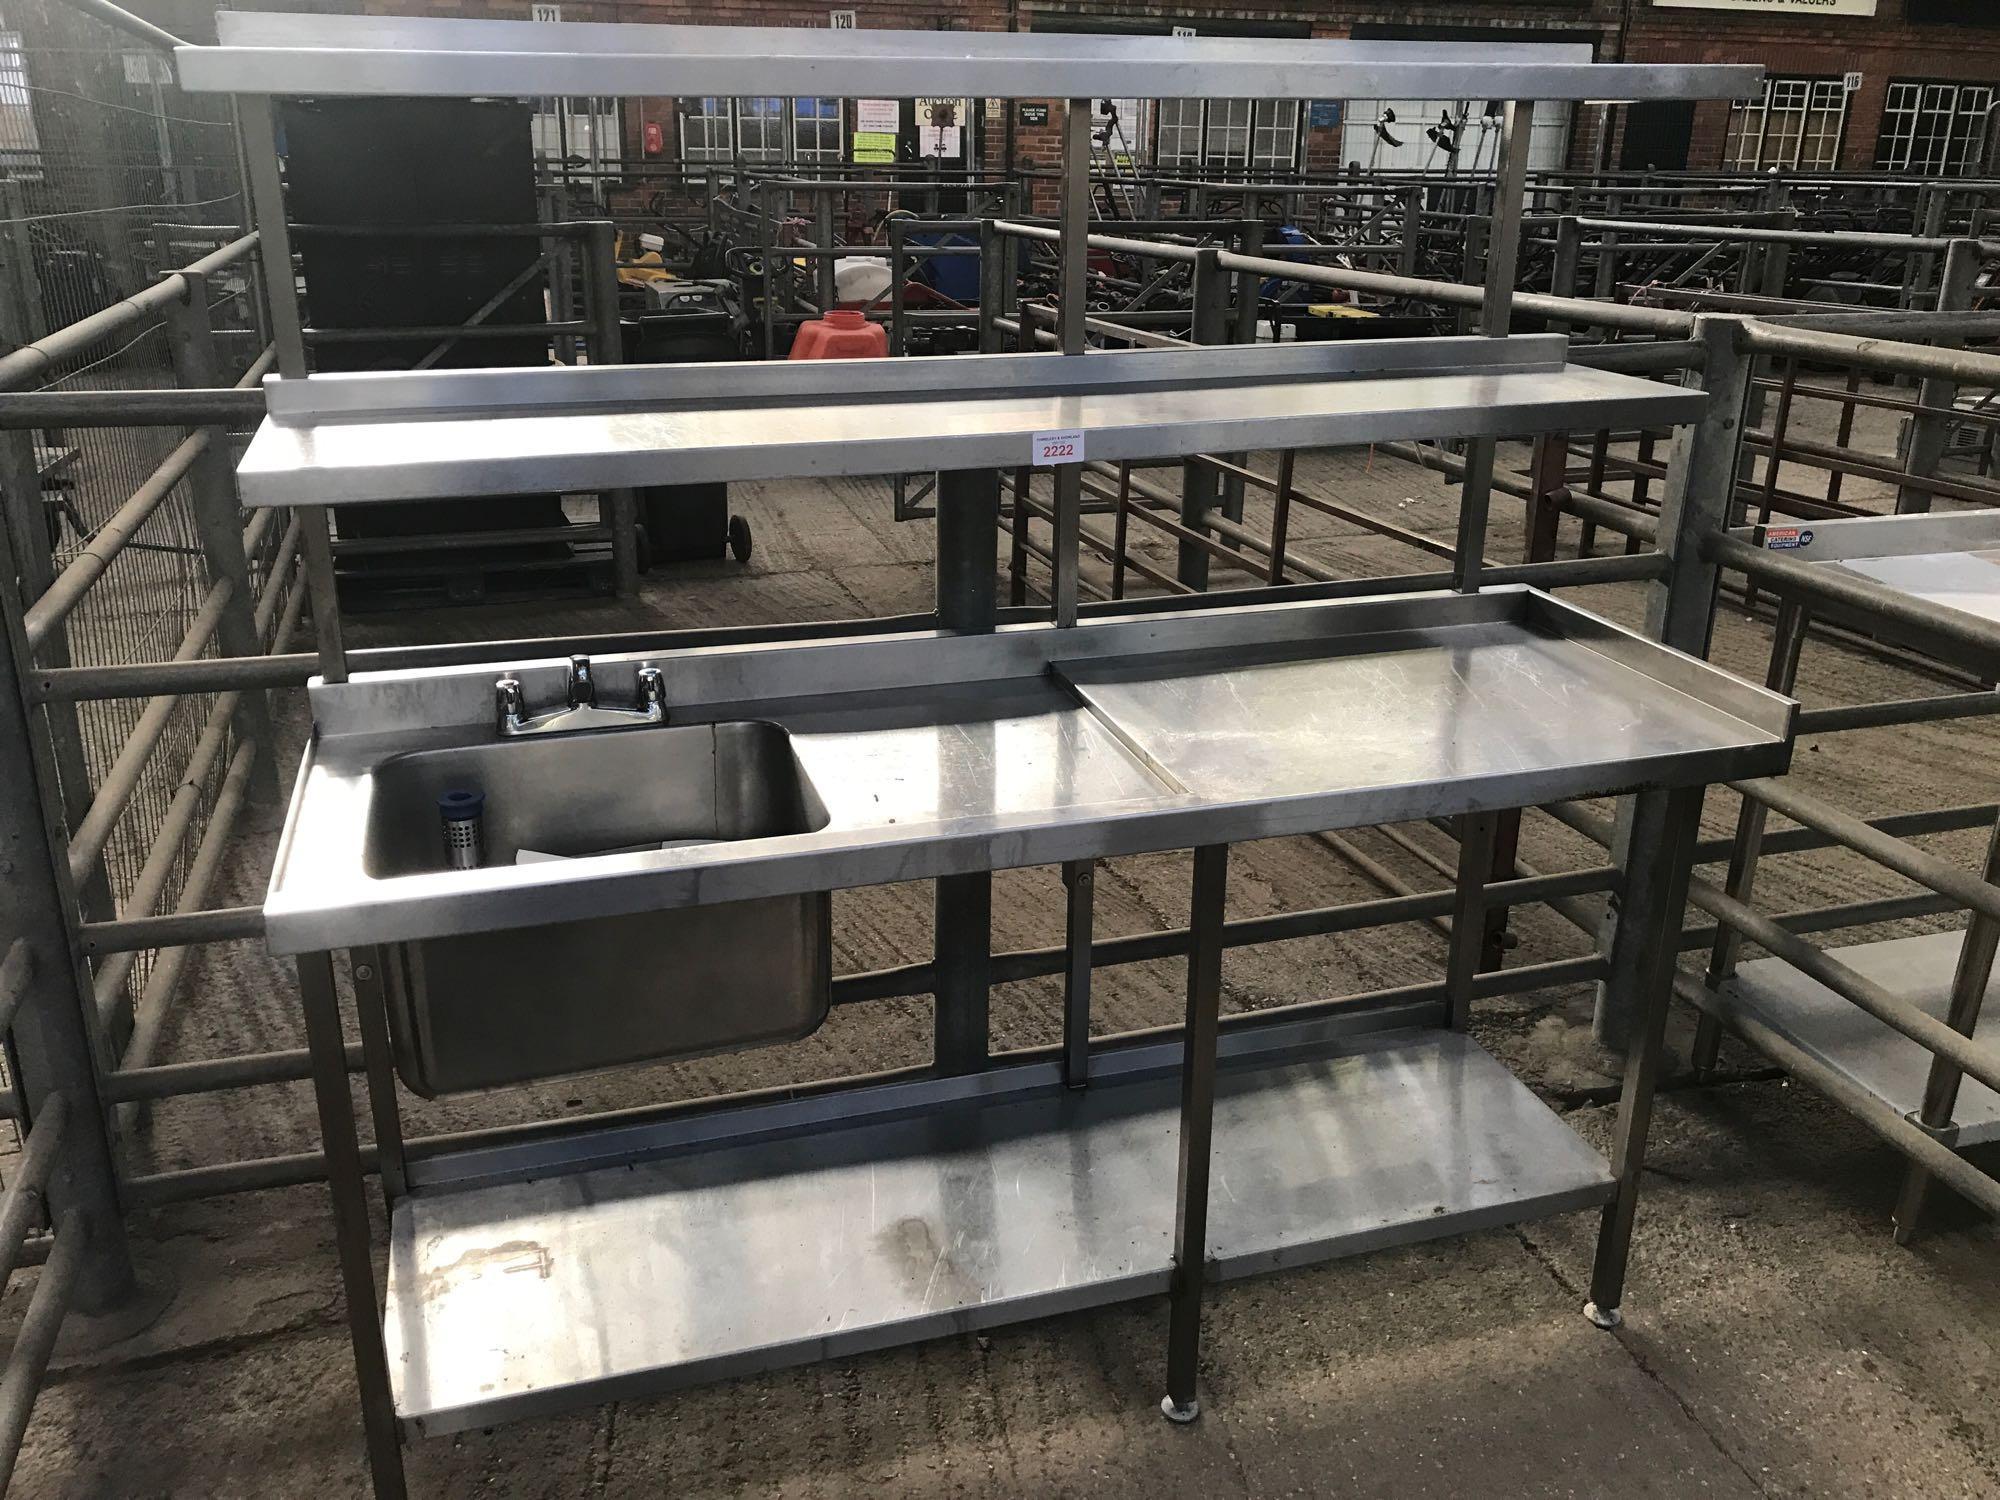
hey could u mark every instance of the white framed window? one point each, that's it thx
(763, 128)
(817, 129)
(1226, 142)
(760, 129)
(1177, 134)
(1796, 123)
(1405, 144)
(1274, 133)
(1231, 134)
(708, 129)
(1933, 129)
(579, 129)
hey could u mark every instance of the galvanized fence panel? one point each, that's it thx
(109, 176)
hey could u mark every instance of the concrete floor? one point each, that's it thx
(1778, 1343)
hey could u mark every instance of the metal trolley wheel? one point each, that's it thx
(739, 539)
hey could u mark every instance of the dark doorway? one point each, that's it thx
(1657, 135)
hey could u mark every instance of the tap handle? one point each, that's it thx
(507, 706)
(652, 686)
(582, 689)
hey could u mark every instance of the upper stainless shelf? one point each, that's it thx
(354, 439)
(262, 53)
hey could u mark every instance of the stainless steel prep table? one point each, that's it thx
(524, 1276)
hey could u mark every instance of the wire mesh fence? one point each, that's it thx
(110, 176)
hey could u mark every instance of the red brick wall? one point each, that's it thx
(1881, 47)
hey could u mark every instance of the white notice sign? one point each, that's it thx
(878, 116)
(1778, 7)
(1065, 447)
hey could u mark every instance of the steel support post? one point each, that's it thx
(1071, 312)
(371, 989)
(1548, 469)
(1968, 994)
(1021, 487)
(996, 281)
(899, 285)
(562, 275)
(1695, 496)
(1477, 835)
(1281, 511)
(1777, 269)
(1925, 443)
(51, 1043)
(1919, 268)
(1197, 1129)
(968, 536)
(995, 271)
(765, 260)
(1605, 288)
(218, 520)
(1079, 888)
(600, 260)
(962, 947)
(1411, 247)
(1198, 480)
(823, 234)
(1787, 644)
(257, 119)
(1472, 255)
(1696, 501)
(1243, 330)
(1568, 257)
(1659, 860)
(352, 1238)
(968, 532)
(1495, 318)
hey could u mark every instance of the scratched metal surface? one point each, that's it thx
(965, 754)
(1967, 581)
(535, 1296)
(1431, 706)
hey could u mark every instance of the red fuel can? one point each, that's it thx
(842, 334)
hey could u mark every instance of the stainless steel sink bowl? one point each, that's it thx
(483, 1009)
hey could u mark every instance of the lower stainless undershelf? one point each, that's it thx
(516, 1298)
(1846, 1038)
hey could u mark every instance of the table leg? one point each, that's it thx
(1204, 1008)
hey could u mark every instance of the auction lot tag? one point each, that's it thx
(1065, 447)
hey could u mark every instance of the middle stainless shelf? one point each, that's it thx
(352, 439)
(931, 754)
